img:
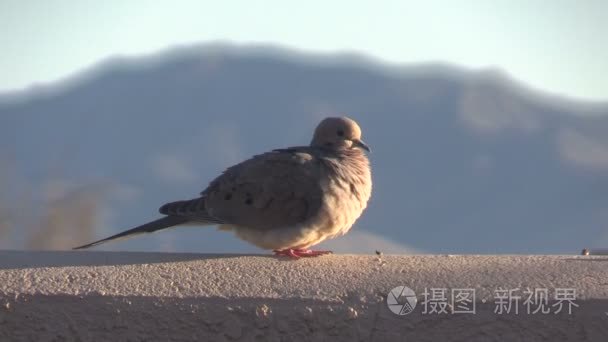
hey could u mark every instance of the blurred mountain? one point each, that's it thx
(465, 161)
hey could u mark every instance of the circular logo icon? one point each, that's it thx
(401, 300)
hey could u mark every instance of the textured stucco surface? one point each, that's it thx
(155, 296)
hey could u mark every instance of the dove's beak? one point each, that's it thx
(361, 144)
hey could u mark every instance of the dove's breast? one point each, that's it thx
(346, 188)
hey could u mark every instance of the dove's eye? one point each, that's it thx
(340, 133)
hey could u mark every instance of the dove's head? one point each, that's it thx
(340, 132)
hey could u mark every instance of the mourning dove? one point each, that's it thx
(286, 200)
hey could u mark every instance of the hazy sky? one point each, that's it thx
(555, 45)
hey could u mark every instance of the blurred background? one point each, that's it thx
(488, 120)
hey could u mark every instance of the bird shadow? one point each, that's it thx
(13, 259)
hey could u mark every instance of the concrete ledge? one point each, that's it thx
(153, 296)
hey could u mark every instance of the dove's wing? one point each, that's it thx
(273, 190)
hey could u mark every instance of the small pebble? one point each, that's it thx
(352, 313)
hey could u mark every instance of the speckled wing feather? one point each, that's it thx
(273, 190)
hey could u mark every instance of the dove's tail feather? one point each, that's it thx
(162, 223)
(179, 212)
(195, 209)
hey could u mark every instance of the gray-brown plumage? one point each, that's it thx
(285, 200)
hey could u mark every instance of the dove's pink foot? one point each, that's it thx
(300, 253)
